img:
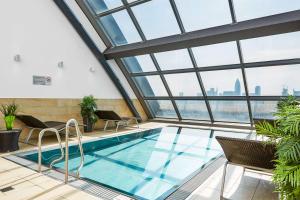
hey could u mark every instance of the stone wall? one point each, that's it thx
(65, 109)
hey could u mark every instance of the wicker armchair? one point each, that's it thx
(250, 154)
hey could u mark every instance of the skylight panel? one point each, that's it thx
(156, 19)
(201, 14)
(120, 28)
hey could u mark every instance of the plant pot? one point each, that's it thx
(9, 140)
(88, 125)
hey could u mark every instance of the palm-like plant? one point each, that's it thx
(286, 134)
(88, 106)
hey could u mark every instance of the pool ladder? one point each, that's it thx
(73, 123)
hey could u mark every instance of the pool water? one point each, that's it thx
(146, 165)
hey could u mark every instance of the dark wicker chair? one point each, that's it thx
(35, 124)
(111, 116)
(250, 154)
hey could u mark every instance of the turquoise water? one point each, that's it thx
(147, 165)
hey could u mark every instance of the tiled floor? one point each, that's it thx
(29, 185)
(251, 186)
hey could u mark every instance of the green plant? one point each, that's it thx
(286, 134)
(287, 102)
(9, 112)
(88, 106)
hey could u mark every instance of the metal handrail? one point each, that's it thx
(41, 134)
(73, 123)
(70, 123)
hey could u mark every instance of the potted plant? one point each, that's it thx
(286, 134)
(9, 138)
(88, 107)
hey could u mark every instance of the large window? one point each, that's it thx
(162, 108)
(139, 64)
(120, 28)
(179, 87)
(178, 59)
(151, 86)
(274, 81)
(156, 19)
(217, 54)
(201, 14)
(275, 47)
(250, 9)
(99, 6)
(224, 83)
(193, 109)
(233, 111)
(263, 109)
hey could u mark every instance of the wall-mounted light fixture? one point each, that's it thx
(92, 69)
(60, 64)
(17, 58)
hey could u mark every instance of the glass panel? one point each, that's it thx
(178, 59)
(275, 47)
(179, 85)
(200, 14)
(263, 109)
(193, 109)
(151, 86)
(223, 82)
(234, 111)
(250, 9)
(274, 81)
(156, 19)
(120, 28)
(226, 53)
(162, 108)
(99, 6)
(139, 64)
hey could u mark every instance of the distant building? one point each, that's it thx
(237, 90)
(257, 90)
(285, 92)
(181, 94)
(212, 92)
(229, 93)
(237, 87)
(296, 93)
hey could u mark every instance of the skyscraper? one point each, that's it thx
(257, 90)
(285, 92)
(237, 88)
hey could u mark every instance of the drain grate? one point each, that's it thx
(6, 189)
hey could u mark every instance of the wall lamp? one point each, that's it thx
(17, 58)
(92, 69)
(60, 64)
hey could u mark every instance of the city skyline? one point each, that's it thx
(237, 91)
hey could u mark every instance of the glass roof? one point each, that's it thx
(234, 81)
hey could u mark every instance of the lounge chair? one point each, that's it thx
(35, 124)
(111, 116)
(250, 154)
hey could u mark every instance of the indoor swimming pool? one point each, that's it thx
(149, 164)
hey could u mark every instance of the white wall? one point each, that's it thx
(40, 33)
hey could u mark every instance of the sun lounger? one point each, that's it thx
(35, 124)
(111, 116)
